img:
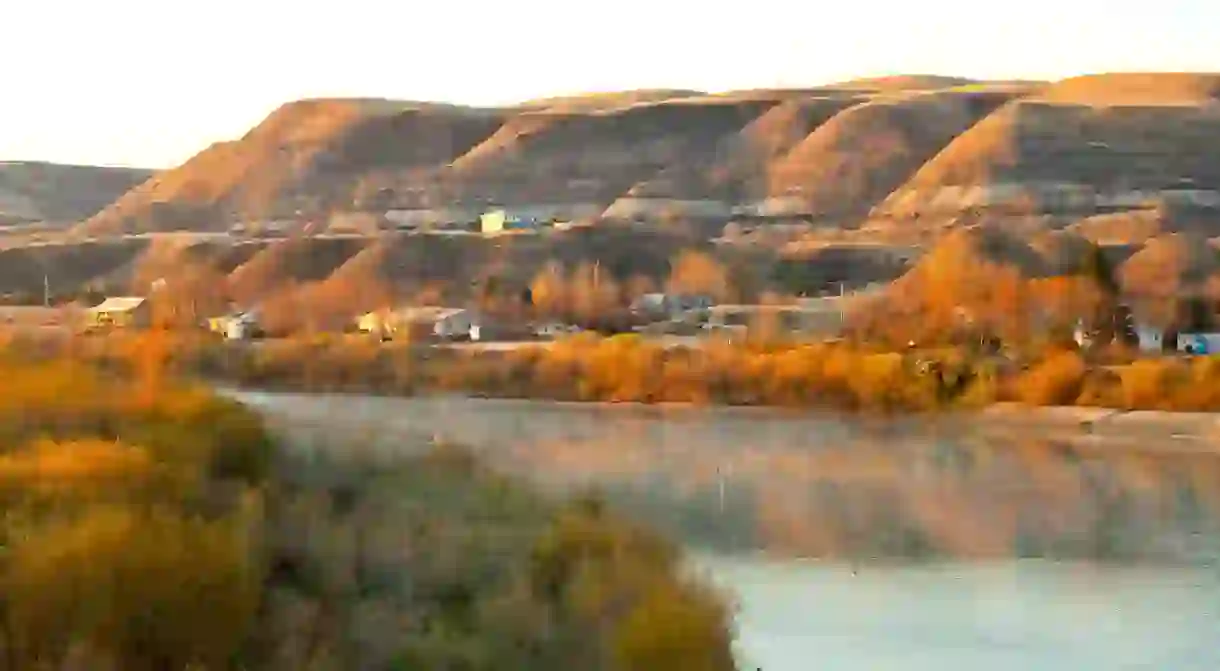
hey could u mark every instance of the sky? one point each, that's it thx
(149, 83)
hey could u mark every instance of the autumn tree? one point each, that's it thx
(694, 272)
(549, 290)
(593, 292)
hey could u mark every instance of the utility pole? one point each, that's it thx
(46, 291)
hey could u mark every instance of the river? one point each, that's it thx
(852, 544)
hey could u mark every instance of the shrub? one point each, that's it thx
(1057, 380)
(138, 590)
(1148, 384)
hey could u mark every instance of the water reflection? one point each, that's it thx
(821, 486)
(999, 616)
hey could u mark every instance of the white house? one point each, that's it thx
(441, 322)
(1199, 343)
(1151, 339)
(456, 324)
(669, 305)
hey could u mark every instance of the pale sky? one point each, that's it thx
(150, 82)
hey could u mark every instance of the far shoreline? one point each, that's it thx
(1091, 423)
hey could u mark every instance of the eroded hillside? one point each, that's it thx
(898, 149)
(1080, 148)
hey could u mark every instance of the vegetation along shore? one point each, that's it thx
(149, 524)
(839, 375)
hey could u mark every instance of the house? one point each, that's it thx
(495, 221)
(809, 320)
(237, 325)
(374, 322)
(669, 306)
(120, 311)
(1151, 339)
(1198, 343)
(437, 322)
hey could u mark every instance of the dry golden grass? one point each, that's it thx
(900, 83)
(583, 102)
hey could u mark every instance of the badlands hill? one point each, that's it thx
(1079, 148)
(34, 192)
(898, 152)
(829, 151)
(1127, 160)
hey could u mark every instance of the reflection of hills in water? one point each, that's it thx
(823, 486)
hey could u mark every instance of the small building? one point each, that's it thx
(812, 321)
(669, 306)
(120, 311)
(446, 323)
(1151, 339)
(374, 322)
(237, 325)
(456, 324)
(1148, 339)
(1199, 343)
(496, 221)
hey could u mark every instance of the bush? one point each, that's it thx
(1150, 384)
(1057, 380)
(136, 590)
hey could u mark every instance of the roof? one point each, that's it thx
(119, 304)
(425, 313)
(246, 316)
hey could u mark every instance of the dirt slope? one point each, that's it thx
(1081, 147)
(307, 157)
(1169, 265)
(735, 169)
(286, 262)
(592, 158)
(861, 154)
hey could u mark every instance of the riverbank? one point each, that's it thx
(1084, 427)
(1106, 427)
(841, 377)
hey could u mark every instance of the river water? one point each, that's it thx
(866, 545)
